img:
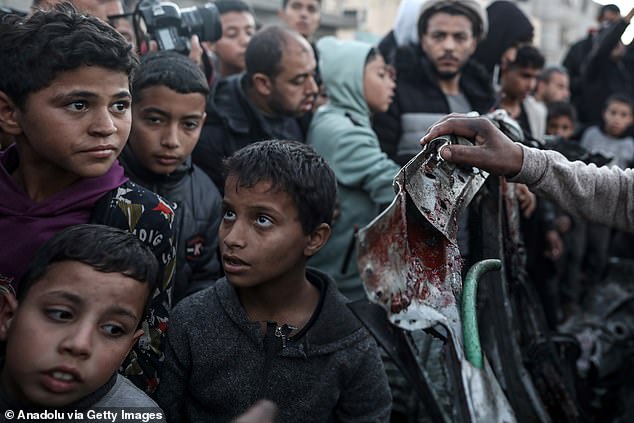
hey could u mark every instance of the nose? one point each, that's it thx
(170, 137)
(244, 39)
(78, 341)
(103, 123)
(234, 235)
(311, 86)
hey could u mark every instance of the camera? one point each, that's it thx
(172, 27)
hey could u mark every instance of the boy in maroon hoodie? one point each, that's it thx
(65, 99)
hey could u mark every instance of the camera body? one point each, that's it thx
(172, 27)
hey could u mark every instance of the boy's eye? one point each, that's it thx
(190, 124)
(229, 215)
(263, 221)
(120, 106)
(113, 330)
(59, 315)
(77, 106)
(154, 120)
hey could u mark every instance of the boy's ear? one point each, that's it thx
(317, 239)
(135, 338)
(8, 115)
(262, 84)
(8, 307)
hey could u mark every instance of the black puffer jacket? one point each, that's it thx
(197, 217)
(418, 94)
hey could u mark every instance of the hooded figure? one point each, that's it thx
(508, 27)
(341, 132)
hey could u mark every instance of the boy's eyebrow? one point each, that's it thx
(90, 94)
(158, 111)
(77, 300)
(122, 311)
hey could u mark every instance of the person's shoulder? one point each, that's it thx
(133, 193)
(126, 395)
(335, 321)
(203, 183)
(197, 304)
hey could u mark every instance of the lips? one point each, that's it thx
(61, 379)
(101, 151)
(168, 160)
(233, 264)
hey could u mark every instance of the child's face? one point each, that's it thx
(261, 236)
(518, 83)
(562, 126)
(165, 127)
(618, 117)
(69, 334)
(77, 126)
(237, 30)
(378, 86)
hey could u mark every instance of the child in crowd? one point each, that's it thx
(75, 317)
(169, 92)
(610, 139)
(358, 84)
(561, 120)
(238, 26)
(273, 328)
(64, 98)
(561, 126)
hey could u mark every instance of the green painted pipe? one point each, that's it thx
(473, 350)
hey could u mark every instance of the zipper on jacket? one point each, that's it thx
(274, 341)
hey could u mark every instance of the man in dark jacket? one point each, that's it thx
(437, 77)
(264, 102)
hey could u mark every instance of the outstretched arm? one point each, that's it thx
(599, 194)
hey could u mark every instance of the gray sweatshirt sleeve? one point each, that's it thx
(599, 194)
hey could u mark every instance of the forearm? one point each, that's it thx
(603, 195)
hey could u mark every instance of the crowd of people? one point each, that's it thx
(179, 228)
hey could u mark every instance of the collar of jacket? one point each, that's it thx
(140, 174)
(336, 327)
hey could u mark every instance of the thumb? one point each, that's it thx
(458, 154)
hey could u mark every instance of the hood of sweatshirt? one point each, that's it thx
(342, 63)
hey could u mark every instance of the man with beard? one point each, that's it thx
(436, 77)
(261, 103)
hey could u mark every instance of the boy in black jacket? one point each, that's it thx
(273, 328)
(169, 93)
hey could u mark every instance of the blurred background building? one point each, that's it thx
(558, 23)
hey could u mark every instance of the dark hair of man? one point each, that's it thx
(453, 9)
(620, 98)
(104, 248)
(265, 50)
(291, 167)
(227, 6)
(285, 3)
(36, 49)
(562, 109)
(528, 56)
(170, 69)
(549, 71)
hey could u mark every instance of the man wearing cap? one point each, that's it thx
(435, 77)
